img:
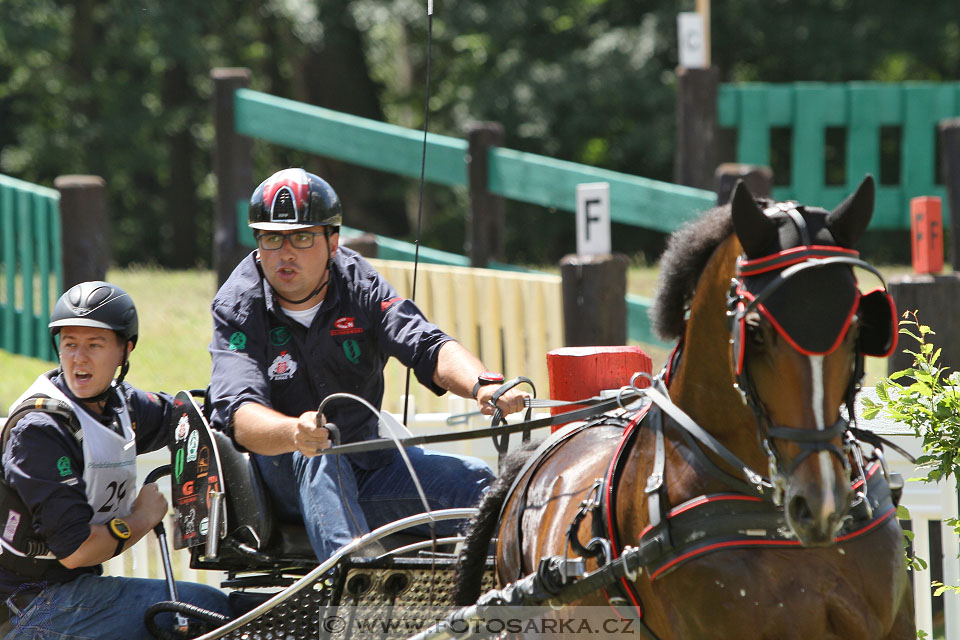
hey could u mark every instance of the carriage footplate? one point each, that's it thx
(364, 598)
(392, 597)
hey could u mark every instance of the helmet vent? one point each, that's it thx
(284, 207)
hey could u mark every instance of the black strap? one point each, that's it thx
(44, 404)
(656, 500)
(878, 440)
(755, 481)
(594, 406)
(502, 442)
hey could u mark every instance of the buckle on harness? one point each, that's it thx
(654, 482)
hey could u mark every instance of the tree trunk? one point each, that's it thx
(181, 192)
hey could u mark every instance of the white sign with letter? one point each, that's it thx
(593, 218)
(691, 40)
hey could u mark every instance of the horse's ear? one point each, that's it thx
(755, 230)
(850, 219)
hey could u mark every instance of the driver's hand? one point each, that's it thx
(309, 438)
(510, 402)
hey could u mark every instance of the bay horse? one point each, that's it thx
(764, 516)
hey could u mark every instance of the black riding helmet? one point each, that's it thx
(293, 199)
(102, 305)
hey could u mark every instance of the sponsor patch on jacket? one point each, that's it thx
(238, 341)
(279, 336)
(386, 304)
(344, 326)
(283, 367)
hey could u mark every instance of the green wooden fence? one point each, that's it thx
(30, 266)
(862, 115)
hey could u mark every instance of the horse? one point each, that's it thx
(763, 514)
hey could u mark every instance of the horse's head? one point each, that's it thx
(800, 328)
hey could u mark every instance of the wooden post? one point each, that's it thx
(703, 8)
(759, 180)
(485, 227)
(696, 155)
(84, 228)
(594, 299)
(936, 299)
(364, 244)
(949, 131)
(232, 164)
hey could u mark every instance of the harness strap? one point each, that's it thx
(594, 406)
(757, 484)
(656, 501)
(502, 441)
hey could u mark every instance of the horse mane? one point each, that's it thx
(688, 250)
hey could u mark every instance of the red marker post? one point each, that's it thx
(926, 227)
(582, 372)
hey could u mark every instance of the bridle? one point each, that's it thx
(742, 301)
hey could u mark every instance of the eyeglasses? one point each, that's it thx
(298, 239)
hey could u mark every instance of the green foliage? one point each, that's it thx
(926, 398)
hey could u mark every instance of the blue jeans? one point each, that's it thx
(105, 608)
(336, 508)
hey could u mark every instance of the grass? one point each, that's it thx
(175, 329)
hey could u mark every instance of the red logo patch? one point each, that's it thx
(386, 304)
(344, 326)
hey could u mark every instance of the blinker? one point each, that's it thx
(810, 297)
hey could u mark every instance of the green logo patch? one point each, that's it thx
(63, 466)
(352, 350)
(279, 336)
(238, 341)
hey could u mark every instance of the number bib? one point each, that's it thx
(109, 459)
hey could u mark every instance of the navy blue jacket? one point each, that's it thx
(261, 355)
(57, 502)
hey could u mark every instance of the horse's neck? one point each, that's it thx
(703, 384)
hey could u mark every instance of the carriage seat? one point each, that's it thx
(251, 520)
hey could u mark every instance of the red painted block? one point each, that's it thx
(926, 226)
(577, 373)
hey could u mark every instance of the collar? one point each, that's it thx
(330, 300)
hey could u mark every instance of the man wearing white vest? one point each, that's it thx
(68, 496)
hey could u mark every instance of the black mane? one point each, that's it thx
(688, 250)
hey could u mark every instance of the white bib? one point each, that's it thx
(109, 459)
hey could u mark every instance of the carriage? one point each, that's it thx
(648, 506)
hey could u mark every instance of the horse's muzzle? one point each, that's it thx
(816, 513)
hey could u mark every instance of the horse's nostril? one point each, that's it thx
(799, 510)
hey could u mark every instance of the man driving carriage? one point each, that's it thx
(69, 480)
(301, 318)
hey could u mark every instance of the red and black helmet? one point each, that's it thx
(293, 199)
